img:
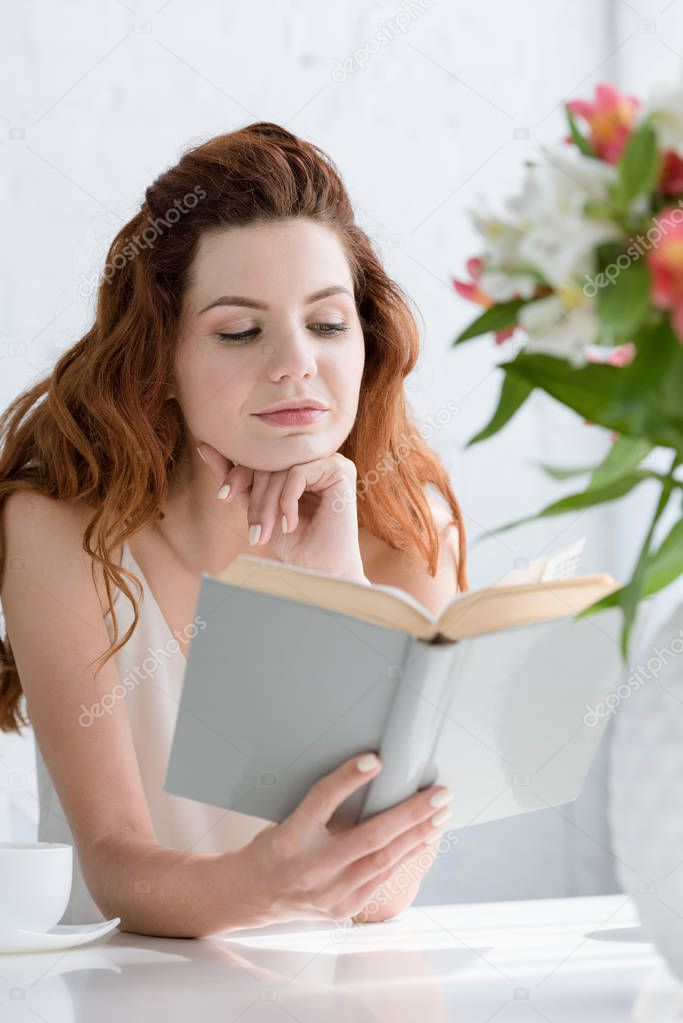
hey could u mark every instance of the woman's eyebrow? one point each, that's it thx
(334, 289)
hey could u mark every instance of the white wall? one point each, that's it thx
(98, 99)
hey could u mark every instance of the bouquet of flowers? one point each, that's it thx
(582, 278)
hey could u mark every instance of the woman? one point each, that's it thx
(242, 283)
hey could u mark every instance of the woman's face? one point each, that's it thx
(259, 282)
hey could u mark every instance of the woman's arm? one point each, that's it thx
(54, 623)
(165, 892)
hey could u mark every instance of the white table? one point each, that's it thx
(551, 959)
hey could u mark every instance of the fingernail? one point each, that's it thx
(367, 762)
(439, 818)
(284, 523)
(441, 798)
(223, 492)
(201, 455)
(254, 532)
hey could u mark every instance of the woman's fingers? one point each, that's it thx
(354, 902)
(264, 504)
(374, 864)
(301, 862)
(274, 497)
(232, 479)
(292, 492)
(278, 493)
(416, 861)
(219, 465)
(238, 480)
(325, 795)
(372, 835)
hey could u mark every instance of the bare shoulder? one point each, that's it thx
(45, 535)
(407, 570)
(58, 638)
(30, 514)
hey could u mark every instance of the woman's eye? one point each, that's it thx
(321, 328)
(331, 328)
(236, 338)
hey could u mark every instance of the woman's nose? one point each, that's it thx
(294, 355)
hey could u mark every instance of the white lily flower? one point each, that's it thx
(502, 277)
(503, 286)
(546, 233)
(562, 325)
(501, 236)
(557, 237)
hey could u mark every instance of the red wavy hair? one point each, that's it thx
(105, 431)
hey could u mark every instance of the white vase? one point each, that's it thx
(646, 777)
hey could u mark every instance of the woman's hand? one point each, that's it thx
(398, 892)
(300, 869)
(307, 513)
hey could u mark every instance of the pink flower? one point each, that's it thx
(671, 177)
(620, 356)
(610, 118)
(666, 264)
(471, 290)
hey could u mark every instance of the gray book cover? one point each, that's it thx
(279, 692)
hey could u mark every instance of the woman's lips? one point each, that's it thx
(292, 417)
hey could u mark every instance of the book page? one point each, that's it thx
(562, 565)
(489, 609)
(508, 607)
(387, 606)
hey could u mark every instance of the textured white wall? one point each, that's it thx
(424, 108)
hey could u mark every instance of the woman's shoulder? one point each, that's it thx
(29, 515)
(38, 527)
(408, 570)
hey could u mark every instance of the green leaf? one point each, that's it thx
(633, 591)
(496, 317)
(638, 168)
(558, 472)
(577, 138)
(629, 595)
(623, 456)
(609, 491)
(585, 499)
(666, 564)
(513, 394)
(627, 598)
(649, 389)
(624, 303)
(586, 389)
(631, 399)
(669, 385)
(612, 599)
(617, 598)
(596, 209)
(607, 252)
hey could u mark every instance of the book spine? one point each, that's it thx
(408, 741)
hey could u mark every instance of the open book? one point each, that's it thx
(296, 670)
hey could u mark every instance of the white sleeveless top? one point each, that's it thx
(152, 704)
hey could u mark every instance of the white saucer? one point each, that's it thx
(61, 936)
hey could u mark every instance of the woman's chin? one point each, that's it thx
(290, 450)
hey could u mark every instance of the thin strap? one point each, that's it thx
(151, 599)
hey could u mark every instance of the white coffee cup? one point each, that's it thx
(35, 884)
